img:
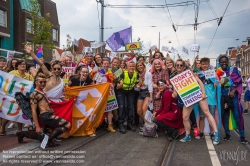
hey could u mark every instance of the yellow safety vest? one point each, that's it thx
(128, 84)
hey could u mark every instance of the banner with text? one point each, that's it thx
(69, 71)
(187, 87)
(9, 85)
(112, 102)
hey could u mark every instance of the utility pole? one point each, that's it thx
(102, 26)
(159, 40)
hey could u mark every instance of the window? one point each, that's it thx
(3, 18)
(55, 34)
(28, 25)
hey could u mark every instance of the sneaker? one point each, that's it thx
(26, 126)
(216, 138)
(243, 140)
(196, 133)
(201, 135)
(58, 139)
(92, 135)
(12, 125)
(211, 136)
(186, 138)
(182, 131)
(227, 137)
(245, 111)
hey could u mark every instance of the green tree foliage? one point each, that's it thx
(140, 51)
(41, 29)
(69, 46)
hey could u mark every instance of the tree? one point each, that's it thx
(41, 29)
(140, 51)
(69, 46)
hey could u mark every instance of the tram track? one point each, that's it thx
(168, 151)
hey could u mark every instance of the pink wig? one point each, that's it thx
(153, 65)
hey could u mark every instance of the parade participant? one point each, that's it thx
(90, 60)
(158, 72)
(180, 64)
(68, 61)
(196, 65)
(20, 72)
(114, 64)
(39, 101)
(11, 65)
(54, 86)
(231, 82)
(210, 89)
(62, 61)
(145, 89)
(106, 76)
(170, 67)
(140, 59)
(169, 116)
(125, 90)
(157, 55)
(98, 60)
(81, 78)
(2, 64)
(247, 96)
(123, 65)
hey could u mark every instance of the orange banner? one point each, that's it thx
(88, 108)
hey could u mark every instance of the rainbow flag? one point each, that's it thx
(39, 53)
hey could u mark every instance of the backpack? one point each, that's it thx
(150, 130)
(24, 103)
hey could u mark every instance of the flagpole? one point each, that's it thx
(159, 41)
(102, 24)
(131, 34)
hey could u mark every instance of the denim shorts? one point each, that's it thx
(211, 108)
(142, 98)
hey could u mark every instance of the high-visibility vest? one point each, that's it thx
(128, 84)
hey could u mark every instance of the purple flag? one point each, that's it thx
(119, 39)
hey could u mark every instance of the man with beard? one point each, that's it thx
(54, 86)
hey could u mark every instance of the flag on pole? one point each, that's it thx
(119, 39)
(75, 42)
(39, 53)
(195, 48)
(185, 50)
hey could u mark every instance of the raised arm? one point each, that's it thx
(29, 50)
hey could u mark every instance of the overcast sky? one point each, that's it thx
(79, 18)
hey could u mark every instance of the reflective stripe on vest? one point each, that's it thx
(128, 84)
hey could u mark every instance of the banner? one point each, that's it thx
(97, 45)
(133, 46)
(89, 107)
(69, 72)
(187, 87)
(209, 74)
(112, 102)
(195, 48)
(119, 39)
(10, 55)
(9, 85)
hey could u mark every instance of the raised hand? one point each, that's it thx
(28, 48)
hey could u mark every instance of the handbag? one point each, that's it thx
(150, 130)
(227, 103)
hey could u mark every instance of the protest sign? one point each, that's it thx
(195, 48)
(209, 74)
(9, 85)
(112, 102)
(148, 116)
(165, 48)
(10, 55)
(133, 46)
(118, 73)
(187, 87)
(69, 72)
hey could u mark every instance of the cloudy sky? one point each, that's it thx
(79, 18)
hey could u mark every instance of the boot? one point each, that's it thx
(111, 129)
(27, 134)
(130, 127)
(122, 129)
(51, 144)
(56, 132)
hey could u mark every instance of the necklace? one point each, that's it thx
(81, 82)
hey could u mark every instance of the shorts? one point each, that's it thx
(48, 121)
(247, 96)
(142, 98)
(211, 108)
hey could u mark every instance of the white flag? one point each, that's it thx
(75, 42)
(97, 45)
(152, 48)
(165, 48)
(10, 55)
(195, 48)
(173, 50)
(185, 50)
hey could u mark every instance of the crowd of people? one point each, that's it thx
(139, 85)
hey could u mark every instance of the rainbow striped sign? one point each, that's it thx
(187, 87)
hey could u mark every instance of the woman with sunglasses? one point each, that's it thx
(81, 78)
(158, 72)
(180, 64)
(145, 89)
(20, 71)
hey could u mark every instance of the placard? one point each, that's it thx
(118, 73)
(112, 102)
(148, 116)
(69, 72)
(187, 87)
(133, 46)
(209, 74)
(45, 141)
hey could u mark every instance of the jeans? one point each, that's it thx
(235, 111)
(122, 95)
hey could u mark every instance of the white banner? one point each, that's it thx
(75, 42)
(195, 48)
(10, 55)
(185, 50)
(165, 48)
(9, 85)
(97, 45)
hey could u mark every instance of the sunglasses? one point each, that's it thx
(42, 82)
(179, 65)
(55, 69)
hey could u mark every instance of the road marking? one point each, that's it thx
(213, 155)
